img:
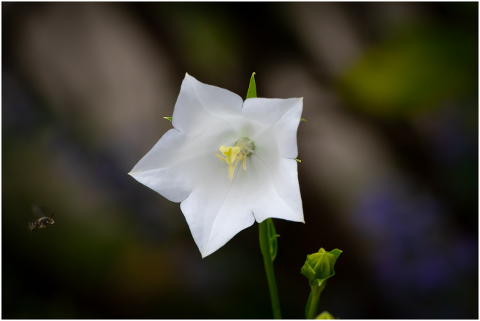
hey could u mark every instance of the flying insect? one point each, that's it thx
(42, 222)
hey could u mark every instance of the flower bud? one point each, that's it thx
(325, 315)
(319, 266)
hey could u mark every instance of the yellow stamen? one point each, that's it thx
(232, 155)
(220, 157)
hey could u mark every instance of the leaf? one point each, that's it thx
(252, 88)
(168, 118)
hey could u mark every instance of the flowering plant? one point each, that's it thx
(230, 163)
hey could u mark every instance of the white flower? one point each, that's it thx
(227, 161)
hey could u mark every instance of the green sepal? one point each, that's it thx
(252, 88)
(303, 119)
(168, 118)
(272, 237)
(268, 243)
(319, 266)
(325, 315)
(298, 160)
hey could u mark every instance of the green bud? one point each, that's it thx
(325, 315)
(319, 266)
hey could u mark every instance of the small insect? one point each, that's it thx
(42, 222)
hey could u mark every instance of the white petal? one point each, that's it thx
(198, 104)
(157, 171)
(172, 166)
(276, 148)
(283, 115)
(268, 111)
(281, 199)
(218, 209)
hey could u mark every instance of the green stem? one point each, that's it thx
(312, 309)
(268, 262)
(312, 304)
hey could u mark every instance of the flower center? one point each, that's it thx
(234, 154)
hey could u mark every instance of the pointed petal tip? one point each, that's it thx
(132, 174)
(204, 255)
(189, 77)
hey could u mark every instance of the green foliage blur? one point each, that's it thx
(414, 71)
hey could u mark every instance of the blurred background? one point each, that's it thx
(389, 152)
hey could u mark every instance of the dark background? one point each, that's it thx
(389, 170)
